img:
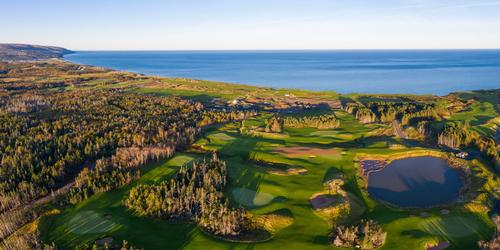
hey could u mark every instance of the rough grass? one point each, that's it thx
(275, 221)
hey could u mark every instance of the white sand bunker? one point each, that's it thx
(251, 198)
(89, 222)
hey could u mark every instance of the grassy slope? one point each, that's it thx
(405, 228)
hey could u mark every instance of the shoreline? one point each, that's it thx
(248, 85)
(266, 84)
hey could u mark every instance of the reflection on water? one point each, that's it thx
(415, 182)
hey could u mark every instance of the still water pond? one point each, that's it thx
(415, 182)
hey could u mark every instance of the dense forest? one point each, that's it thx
(327, 121)
(46, 140)
(276, 124)
(386, 112)
(217, 117)
(195, 193)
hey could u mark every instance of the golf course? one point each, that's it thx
(325, 154)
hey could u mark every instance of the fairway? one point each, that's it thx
(457, 226)
(222, 137)
(89, 222)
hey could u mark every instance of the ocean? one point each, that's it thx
(436, 72)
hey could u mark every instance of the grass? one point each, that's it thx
(251, 198)
(263, 193)
(479, 113)
(89, 222)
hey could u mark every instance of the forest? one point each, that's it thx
(46, 140)
(196, 193)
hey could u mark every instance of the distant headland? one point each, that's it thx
(28, 52)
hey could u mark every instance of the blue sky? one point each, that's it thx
(251, 24)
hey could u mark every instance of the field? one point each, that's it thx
(262, 193)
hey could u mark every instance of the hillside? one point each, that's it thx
(25, 52)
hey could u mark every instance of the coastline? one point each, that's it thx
(260, 72)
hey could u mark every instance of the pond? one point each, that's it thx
(415, 182)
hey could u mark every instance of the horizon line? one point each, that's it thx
(270, 50)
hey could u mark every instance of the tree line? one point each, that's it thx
(407, 112)
(195, 194)
(460, 135)
(326, 121)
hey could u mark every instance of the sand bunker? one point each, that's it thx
(322, 201)
(287, 172)
(368, 166)
(251, 198)
(440, 246)
(104, 241)
(280, 168)
(305, 151)
(330, 207)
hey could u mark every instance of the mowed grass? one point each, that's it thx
(479, 113)
(263, 193)
(89, 222)
(251, 198)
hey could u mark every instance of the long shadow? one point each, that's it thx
(127, 223)
(240, 174)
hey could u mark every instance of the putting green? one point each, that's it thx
(180, 160)
(89, 222)
(251, 198)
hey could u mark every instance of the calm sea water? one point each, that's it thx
(396, 71)
(415, 182)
